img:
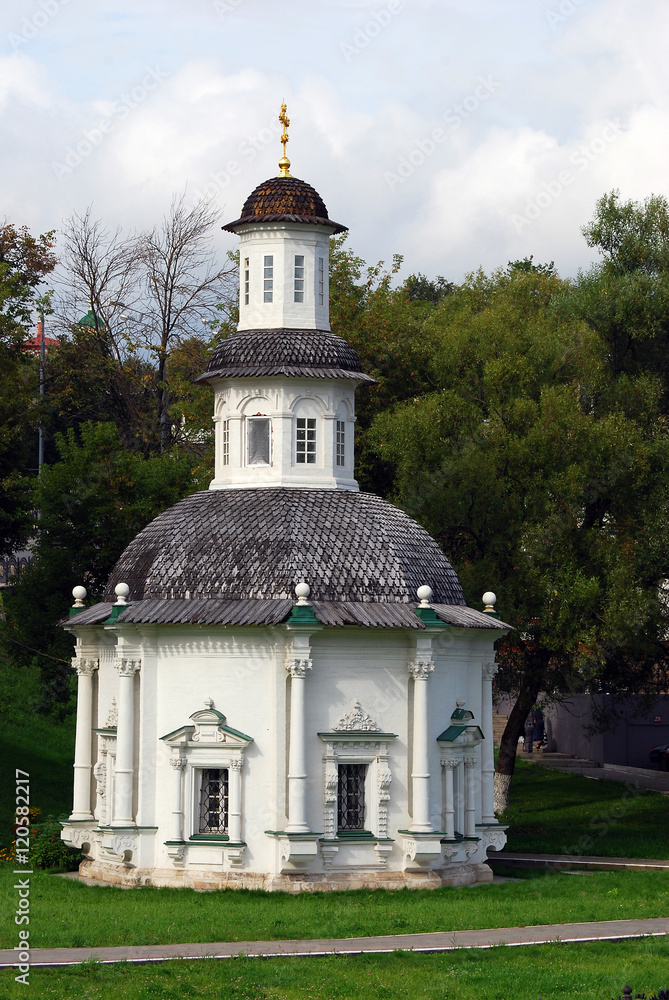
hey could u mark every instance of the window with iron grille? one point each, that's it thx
(351, 796)
(321, 280)
(268, 278)
(305, 441)
(213, 817)
(247, 281)
(299, 278)
(226, 442)
(340, 450)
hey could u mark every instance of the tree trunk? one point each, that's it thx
(506, 760)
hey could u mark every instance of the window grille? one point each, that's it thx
(351, 797)
(340, 449)
(247, 281)
(268, 278)
(321, 280)
(226, 442)
(214, 801)
(305, 442)
(299, 278)
(258, 441)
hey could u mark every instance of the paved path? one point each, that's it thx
(640, 777)
(512, 859)
(604, 930)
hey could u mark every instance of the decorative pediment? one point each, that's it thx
(208, 729)
(463, 729)
(356, 719)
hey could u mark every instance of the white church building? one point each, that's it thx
(283, 687)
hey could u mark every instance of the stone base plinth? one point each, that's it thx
(202, 879)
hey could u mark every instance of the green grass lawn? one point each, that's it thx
(552, 972)
(553, 812)
(34, 743)
(65, 913)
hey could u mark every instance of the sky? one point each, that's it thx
(457, 134)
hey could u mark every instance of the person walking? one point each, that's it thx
(538, 728)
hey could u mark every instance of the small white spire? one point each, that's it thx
(424, 595)
(209, 703)
(121, 590)
(489, 601)
(302, 591)
(78, 593)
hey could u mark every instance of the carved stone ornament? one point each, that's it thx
(84, 667)
(356, 719)
(100, 775)
(177, 763)
(489, 669)
(298, 666)
(420, 670)
(126, 668)
(236, 764)
(112, 718)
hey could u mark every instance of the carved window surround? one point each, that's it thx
(357, 740)
(207, 743)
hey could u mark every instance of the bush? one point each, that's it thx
(47, 850)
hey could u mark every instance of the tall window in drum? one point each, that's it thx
(298, 294)
(305, 441)
(340, 443)
(247, 281)
(213, 814)
(268, 278)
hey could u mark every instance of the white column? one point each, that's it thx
(470, 795)
(420, 670)
(297, 770)
(81, 805)
(449, 805)
(487, 747)
(125, 743)
(177, 826)
(235, 801)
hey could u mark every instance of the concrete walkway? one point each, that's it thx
(640, 777)
(604, 930)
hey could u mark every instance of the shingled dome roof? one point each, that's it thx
(285, 199)
(316, 353)
(252, 543)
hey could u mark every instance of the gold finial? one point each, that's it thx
(284, 162)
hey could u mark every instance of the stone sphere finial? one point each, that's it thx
(489, 601)
(78, 593)
(121, 590)
(424, 595)
(302, 591)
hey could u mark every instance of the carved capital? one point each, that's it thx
(177, 763)
(126, 668)
(489, 669)
(470, 760)
(420, 670)
(236, 765)
(84, 667)
(297, 666)
(450, 764)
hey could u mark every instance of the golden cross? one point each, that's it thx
(284, 162)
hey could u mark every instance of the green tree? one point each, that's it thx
(543, 478)
(92, 502)
(25, 261)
